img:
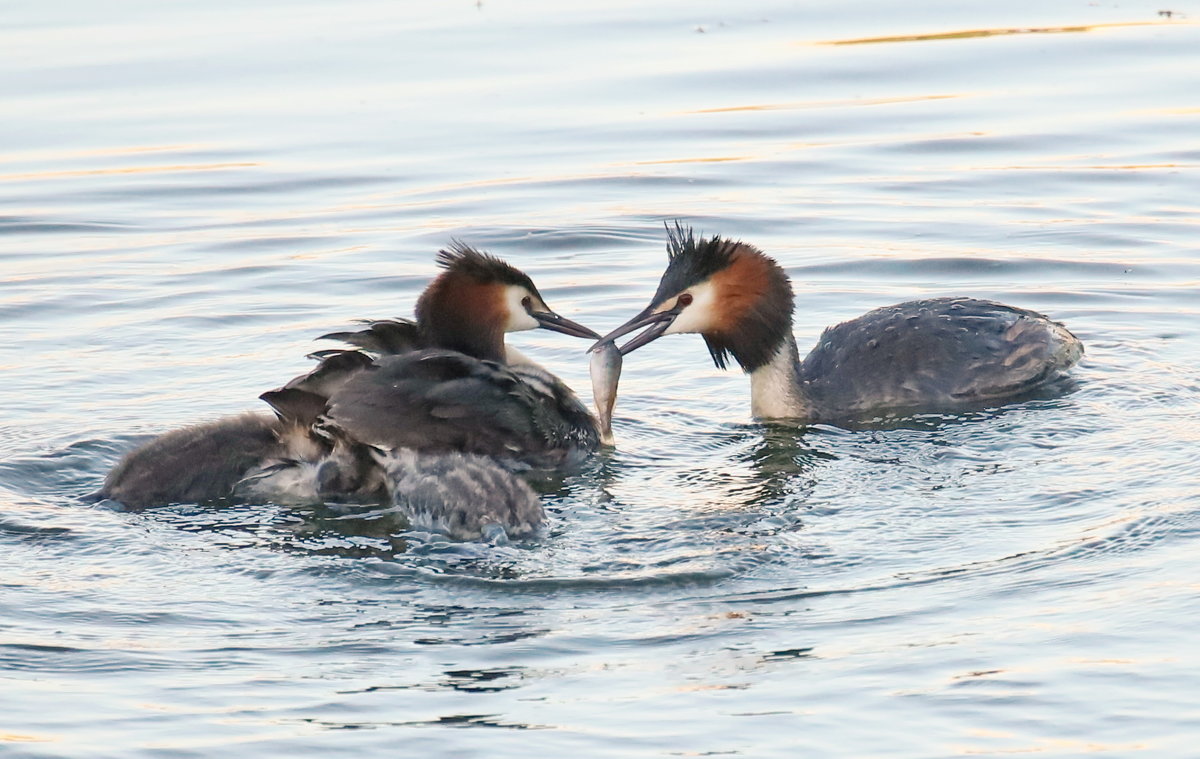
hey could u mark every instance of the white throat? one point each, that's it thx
(775, 391)
(514, 357)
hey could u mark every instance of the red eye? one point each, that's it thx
(527, 302)
(684, 300)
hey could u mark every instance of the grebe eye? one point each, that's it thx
(684, 300)
(526, 302)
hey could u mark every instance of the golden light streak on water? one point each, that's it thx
(177, 168)
(825, 104)
(973, 33)
(19, 738)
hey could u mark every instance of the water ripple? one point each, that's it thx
(231, 184)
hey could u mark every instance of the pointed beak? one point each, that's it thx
(656, 321)
(555, 323)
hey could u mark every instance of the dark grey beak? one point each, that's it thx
(555, 323)
(657, 322)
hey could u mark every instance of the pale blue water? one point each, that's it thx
(189, 193)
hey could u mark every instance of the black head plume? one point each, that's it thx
(691, 262)
(484, 268)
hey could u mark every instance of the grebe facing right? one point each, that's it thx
(938, 354)
(434, 415)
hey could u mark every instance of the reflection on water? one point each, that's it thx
(191, 195)
(170, 169)
(857, 102)
(968, 34)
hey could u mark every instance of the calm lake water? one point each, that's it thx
(191, 192)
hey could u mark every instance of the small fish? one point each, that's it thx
(606, 372)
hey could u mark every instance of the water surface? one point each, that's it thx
(190, 193)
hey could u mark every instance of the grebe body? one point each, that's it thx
(931, 355)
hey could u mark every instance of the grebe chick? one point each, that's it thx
(202, 462)
(419, 399)
(938, 354)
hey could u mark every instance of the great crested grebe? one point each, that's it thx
(434, 414)
(938, 354)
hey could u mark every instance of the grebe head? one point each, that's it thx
(478, 298)
(735, 296)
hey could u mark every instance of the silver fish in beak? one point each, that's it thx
(605, 369)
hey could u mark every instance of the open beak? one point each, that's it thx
(555, 323)
(656, 321)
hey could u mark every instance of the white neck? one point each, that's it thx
(514, 357)
(775, 391)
